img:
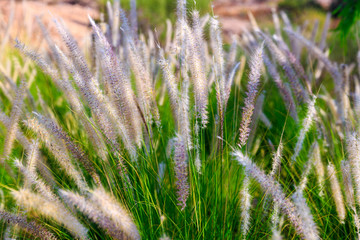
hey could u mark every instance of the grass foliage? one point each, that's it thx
(180, 140)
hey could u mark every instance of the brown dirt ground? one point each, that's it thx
(22, 24)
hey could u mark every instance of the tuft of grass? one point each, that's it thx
(183, 139)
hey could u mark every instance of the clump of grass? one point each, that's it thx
(141, 140)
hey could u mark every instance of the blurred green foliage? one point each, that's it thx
(349, 12)
(297, 5)
(155, 12)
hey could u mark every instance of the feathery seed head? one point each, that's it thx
(254, 80)
(336, 192)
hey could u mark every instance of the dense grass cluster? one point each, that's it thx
(182, 140)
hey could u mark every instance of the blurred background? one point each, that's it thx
(18, 17)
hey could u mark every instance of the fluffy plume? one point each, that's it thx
(133, 17)
(254, 80)
(348, 185)
(32, 179)
(181, 9)
(198, 77)
(299, 69)
(306, 124)
(64, 84)
(5, 120)
(216, 45)
(305, 215)
(58, 149)
(32, 201)
(95, 100)
(93, 212)
(37, 59)
(356, 222)
(181, 170)
(305, 175)
(318, 165)
(120, 90)
(33, 155)
(336, 192)
(245, 206)
(274, 189)
(297, 88)
(15, 115)
(110, 208)
(144, 85)
(220, 84)
(74, 50)
(331, 68)
(31, 227)
(276, 232)
(100, 105)
(277, 159)
(70, 145)
(184, 116)
(353, 150)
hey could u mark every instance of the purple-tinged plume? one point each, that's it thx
(273, 188)
(181, 170)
